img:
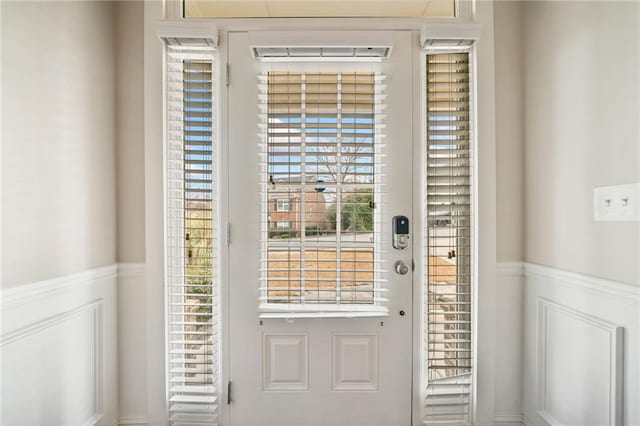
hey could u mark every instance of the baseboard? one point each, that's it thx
(509, 419)
(135, 420)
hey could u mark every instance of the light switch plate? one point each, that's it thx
(617, 203)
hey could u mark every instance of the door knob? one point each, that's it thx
(401, 268)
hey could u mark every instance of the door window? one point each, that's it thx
(320, 131)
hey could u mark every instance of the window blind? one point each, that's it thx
(192, 238)
(448, 239)
(321, 135)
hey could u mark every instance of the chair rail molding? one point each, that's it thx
(510, 268)
(509, 419)
(577, 280)
(131, 270)
(601, 286)
(133, 420)
(27, 293)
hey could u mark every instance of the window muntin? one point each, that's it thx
(320, 132)
(191, 240)
(283, 205)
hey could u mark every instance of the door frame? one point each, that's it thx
(485, 194)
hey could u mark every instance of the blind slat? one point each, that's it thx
(191, 199)
(448, 202)
(320, 159)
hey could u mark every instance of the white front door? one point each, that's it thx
(319, 321)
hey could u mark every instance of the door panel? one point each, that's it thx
(312, 371)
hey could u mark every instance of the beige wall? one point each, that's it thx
(510, 212)
(58, 139)
(581, 77)
(130, 129)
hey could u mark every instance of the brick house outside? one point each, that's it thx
(285, 211)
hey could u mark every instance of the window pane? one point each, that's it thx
(191, 239)
(448, 215)
(320, 181)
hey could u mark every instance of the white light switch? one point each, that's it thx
(617, 203)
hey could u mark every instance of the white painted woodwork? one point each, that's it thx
(581, 344)
(153, 125)
(508, 377)
(355, 362)
(319, 8)
(379, 388)
(568, 341)
(285, 360)
(132, 349)
(59, 350)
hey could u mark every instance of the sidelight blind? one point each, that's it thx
(321, 135)
(448, 287)
(192, 240)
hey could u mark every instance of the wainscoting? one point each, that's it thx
(580, 346)
(59, 350)
(567, 349)
(581, 349)
(132, 344)
(508, 357)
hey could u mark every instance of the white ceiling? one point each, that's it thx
(317, 8)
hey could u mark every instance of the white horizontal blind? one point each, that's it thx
(449, 244)
(321, 137)
(192, 240)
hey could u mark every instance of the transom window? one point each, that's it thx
(319, 8)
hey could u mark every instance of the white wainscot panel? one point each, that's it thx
(579, 367)
(132, 351)
(285, 362)
(52, 370)
(355, 362)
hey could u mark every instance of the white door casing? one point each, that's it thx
(312, 371)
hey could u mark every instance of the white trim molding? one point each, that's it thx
(613, 336)
(78, 309)
(95, 308)
(577, 327)
(510, 268)
(509, 419)
(27, 293)
(132, 320)
(133, 420)
(131, 270)
(585, 282)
